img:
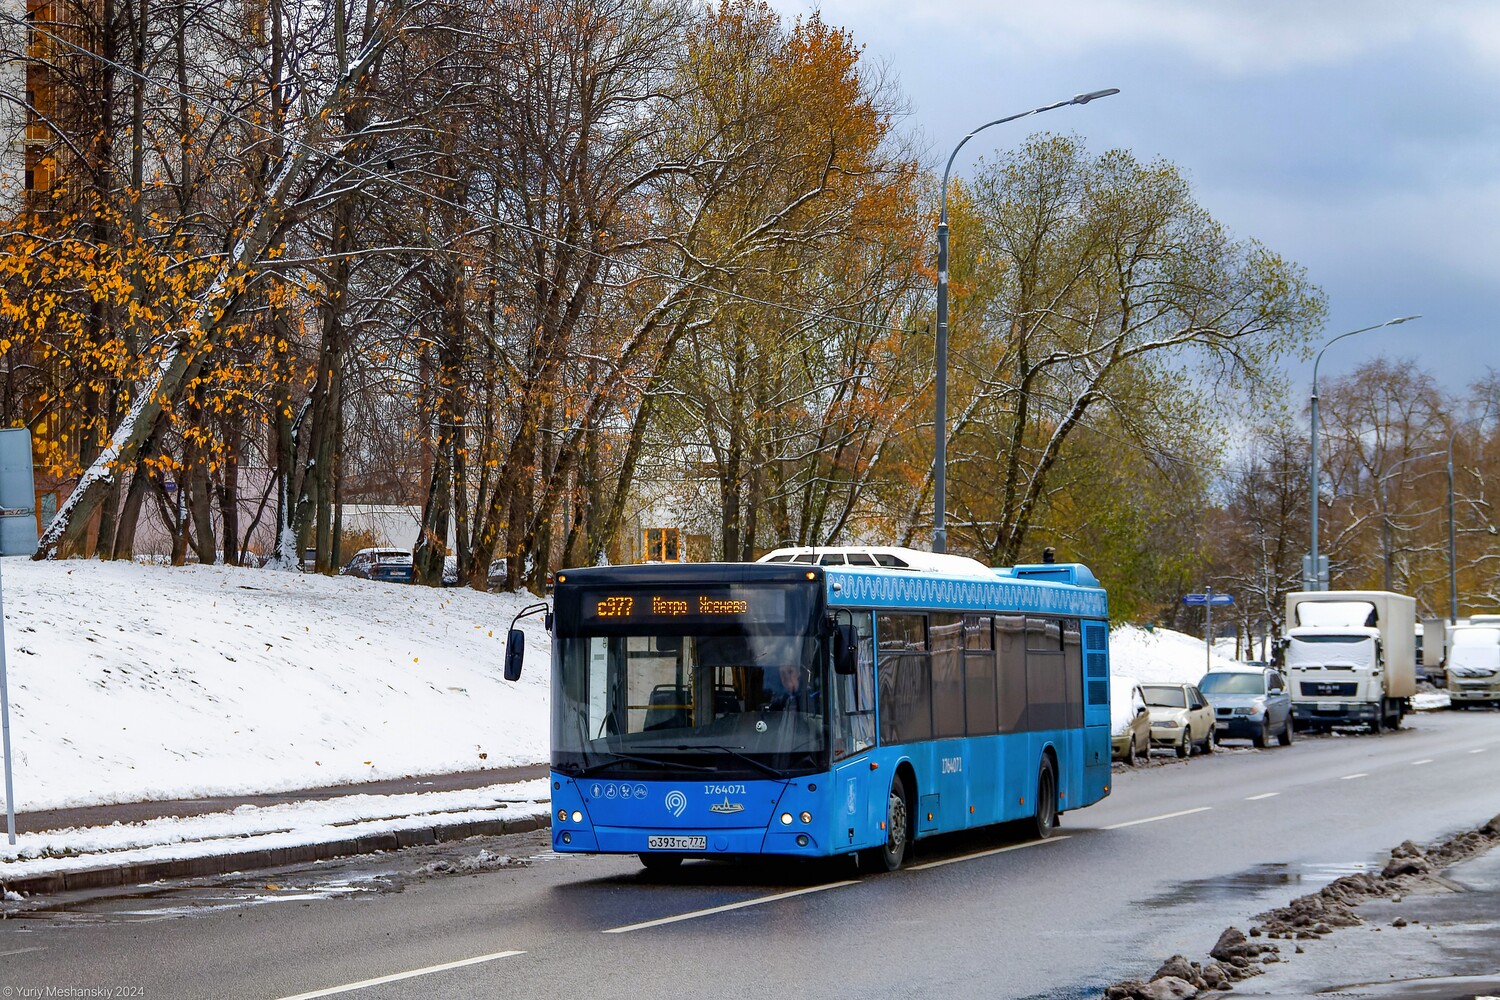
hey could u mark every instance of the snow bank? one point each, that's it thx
(1160, 656)
(132, 682)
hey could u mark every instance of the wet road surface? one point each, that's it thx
(1178, 852)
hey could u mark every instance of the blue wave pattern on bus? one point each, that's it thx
(917, 591)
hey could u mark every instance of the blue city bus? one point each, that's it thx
(821, 703)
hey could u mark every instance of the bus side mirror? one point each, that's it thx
(515, 653)
(845, 649)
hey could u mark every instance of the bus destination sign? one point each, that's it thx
(763, 606)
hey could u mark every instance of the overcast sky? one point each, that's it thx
(1359, 138)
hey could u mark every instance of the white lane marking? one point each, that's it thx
(19, 951)
(1480, 750)
(397, 977)
(1153, 819)
(1415, 763)
(985, 854)
(724, 909)
(1351, 777)
(1262, 795)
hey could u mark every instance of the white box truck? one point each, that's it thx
(1350, 657)
(1473, 663)
(1432, 648)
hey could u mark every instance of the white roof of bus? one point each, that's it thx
(895, 557)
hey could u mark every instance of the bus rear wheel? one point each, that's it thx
(1044, 820)
(892, 854)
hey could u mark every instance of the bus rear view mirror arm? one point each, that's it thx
(515, 640)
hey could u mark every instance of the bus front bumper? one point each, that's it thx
(578, 839)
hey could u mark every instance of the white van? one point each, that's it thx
(1474, 663)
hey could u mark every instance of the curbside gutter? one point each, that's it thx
(114, 875)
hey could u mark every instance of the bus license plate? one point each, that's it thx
(665, 842)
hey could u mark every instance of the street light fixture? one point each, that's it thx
(940, 459)
(1315, 578)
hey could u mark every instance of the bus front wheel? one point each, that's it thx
(1044, 821)
(892, 854)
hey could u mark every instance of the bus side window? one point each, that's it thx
(1010, 658)
(1046, 679)
(904, 671)
(947, 634)
(979, 676)
(853, 711)
(1073, 668)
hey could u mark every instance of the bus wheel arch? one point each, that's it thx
(900, 823)
(1044, 810)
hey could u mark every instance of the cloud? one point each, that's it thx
(1235, 38)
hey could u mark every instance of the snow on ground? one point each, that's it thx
(1427, 701)
(132, 682)
(258, 828)
(1161, 656)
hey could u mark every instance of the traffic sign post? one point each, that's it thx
(17, 537)
(1314, 580)
(1208, 600)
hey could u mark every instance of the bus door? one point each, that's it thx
(858, 802)
(945, 805)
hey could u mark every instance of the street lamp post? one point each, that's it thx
(940, 458)
(1452, 541)
(1316, 578)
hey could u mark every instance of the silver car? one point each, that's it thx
(1251, 704)
(1181, 718)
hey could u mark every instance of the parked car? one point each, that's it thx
(1181, 717)
(1252, 704)
(1130, 723)
(390, 565)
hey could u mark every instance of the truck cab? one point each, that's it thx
(1474, 664)
(1349, 658)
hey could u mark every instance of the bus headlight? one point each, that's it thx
(786, 819)
(577, 816)
(806, 816)
(562, 815)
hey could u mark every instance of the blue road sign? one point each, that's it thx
(1213, 599)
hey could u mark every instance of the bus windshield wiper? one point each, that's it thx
(735, 753)
(654, 761)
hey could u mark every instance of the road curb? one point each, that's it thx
(108, 876)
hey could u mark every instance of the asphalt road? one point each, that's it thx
(1179, 851)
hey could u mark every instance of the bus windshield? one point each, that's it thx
(646, 693)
